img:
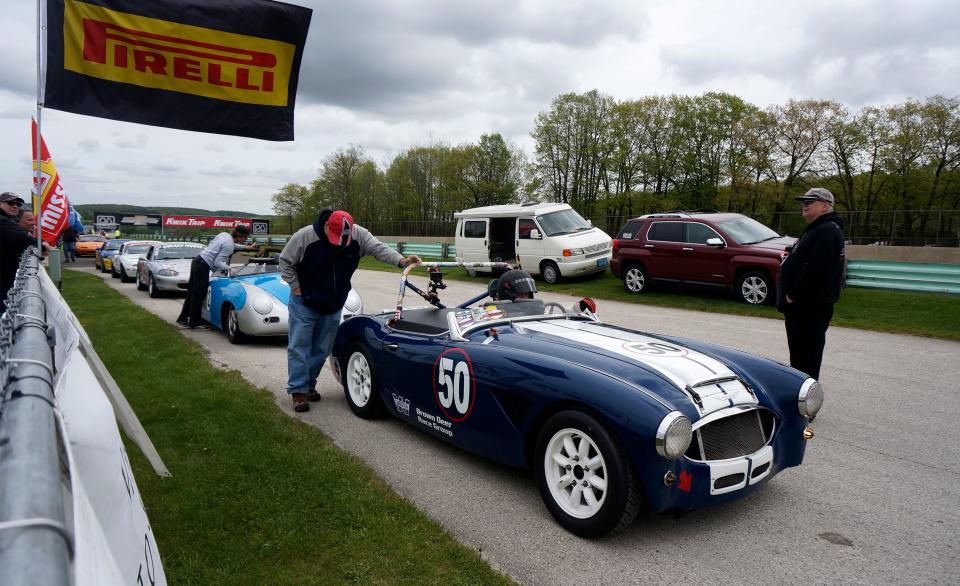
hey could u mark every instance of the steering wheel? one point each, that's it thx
(550, 306)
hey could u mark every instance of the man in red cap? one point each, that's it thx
(318, 262)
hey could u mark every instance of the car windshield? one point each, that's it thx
(258, 268)
(746, 230)
(138, 249)
(112, 245)
(562, 222)
(171, 252)
(92, 238)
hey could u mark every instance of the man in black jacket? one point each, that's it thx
(13, 241)
(318, 262)
(810, 281)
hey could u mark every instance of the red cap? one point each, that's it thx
(340, 228)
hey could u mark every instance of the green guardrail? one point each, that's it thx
(430, 250)
(904, 276)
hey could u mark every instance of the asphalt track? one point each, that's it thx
(877, 500)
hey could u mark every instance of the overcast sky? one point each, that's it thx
(387, 75)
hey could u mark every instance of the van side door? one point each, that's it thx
(473, 241)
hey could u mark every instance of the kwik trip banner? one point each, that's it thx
(256, 226)
(54, 207)
(219, 66)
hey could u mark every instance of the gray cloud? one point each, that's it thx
(138, 141)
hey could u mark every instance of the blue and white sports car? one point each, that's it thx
(607, 418)
(251, 301)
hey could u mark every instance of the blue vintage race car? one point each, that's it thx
(606, 417)
(251, 301)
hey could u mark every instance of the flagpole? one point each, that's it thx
(41, 28)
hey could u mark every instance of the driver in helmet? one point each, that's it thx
(515, 284)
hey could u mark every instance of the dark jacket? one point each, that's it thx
(812, 273)
(13, 241)
(69, 235)
(322, 270)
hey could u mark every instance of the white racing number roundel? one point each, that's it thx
(655, 349)
(454, 386)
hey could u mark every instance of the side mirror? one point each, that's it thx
(535, 234)
(718, 242)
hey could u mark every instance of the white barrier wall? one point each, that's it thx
(113, 541)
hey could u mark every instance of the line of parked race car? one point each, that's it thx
(607, 418)
(250, 301)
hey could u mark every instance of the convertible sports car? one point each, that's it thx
(606, 417)
(166, 267)
(104, 256)
(89, 244)
(124, 264)
(251, 301)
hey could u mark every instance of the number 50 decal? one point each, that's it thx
(454, 386)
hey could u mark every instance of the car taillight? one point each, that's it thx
(616, 244)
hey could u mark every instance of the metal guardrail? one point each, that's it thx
(430, 250)
(35, 545)
(904, 276)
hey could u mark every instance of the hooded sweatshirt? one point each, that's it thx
(323, 270)
(812, 273)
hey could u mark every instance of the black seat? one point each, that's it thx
(429, 320)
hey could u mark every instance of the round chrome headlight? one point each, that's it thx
(811, 398)
(262, 304)
(674, 435)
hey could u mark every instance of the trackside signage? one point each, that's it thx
(167, 55)
(221, 66)
(206, 222)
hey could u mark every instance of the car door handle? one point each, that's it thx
(648, 246)
(687, 249)
(391, 346)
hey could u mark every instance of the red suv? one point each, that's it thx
(703, 247)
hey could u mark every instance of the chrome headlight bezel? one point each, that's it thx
(674, 435)
(810, 398)
(167, 273)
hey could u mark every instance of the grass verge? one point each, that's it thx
(256, 497)
(934, 315)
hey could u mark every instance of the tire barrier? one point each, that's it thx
(70, 510)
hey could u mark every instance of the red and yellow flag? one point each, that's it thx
(54, 205)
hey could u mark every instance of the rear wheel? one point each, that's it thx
(755, 288)
(550, 272)
(232, 326)
(360, 383)
(635, 279)
(152, 288)
(585, 480)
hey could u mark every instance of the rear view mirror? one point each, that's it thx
(718, 242)
(535, 234)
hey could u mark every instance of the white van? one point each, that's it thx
(549, 239)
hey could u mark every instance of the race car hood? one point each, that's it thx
(694, 378)
(181, 265)
(271, 283)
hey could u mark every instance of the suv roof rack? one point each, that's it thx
(680, 213)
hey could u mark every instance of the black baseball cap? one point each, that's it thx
(9, 196)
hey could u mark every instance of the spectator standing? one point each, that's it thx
(116, 233)
(13, 241)
(69, 237)
(214, 257)
(318, 263)
(810, 281)
(28, 222)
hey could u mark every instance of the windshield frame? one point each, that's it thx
(562, 222)
(746, 230)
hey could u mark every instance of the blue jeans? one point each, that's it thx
(310, 340)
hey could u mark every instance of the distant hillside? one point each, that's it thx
(86, 211)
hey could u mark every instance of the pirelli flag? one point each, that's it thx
(220, 66)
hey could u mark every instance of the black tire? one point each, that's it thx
(113, 271)
(635, 278)
(231, 325)
(360, 384)
(103, 268)
(755, 288)
(140, 285)
(611, 483)
(152, 288)
(123, 276)
(550, 272)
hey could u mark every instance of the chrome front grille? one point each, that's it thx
(735, 436)
(602, 247)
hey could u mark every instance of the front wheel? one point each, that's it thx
(141, 286)
(152, 289)
(113, 271)
(585, 480)
(550, 272)
(755, 288)
(360, 383)
(123, 276)
(234, 333)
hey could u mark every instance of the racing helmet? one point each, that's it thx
(515, 283)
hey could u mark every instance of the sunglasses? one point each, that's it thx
(16, 204)
(806, 202)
